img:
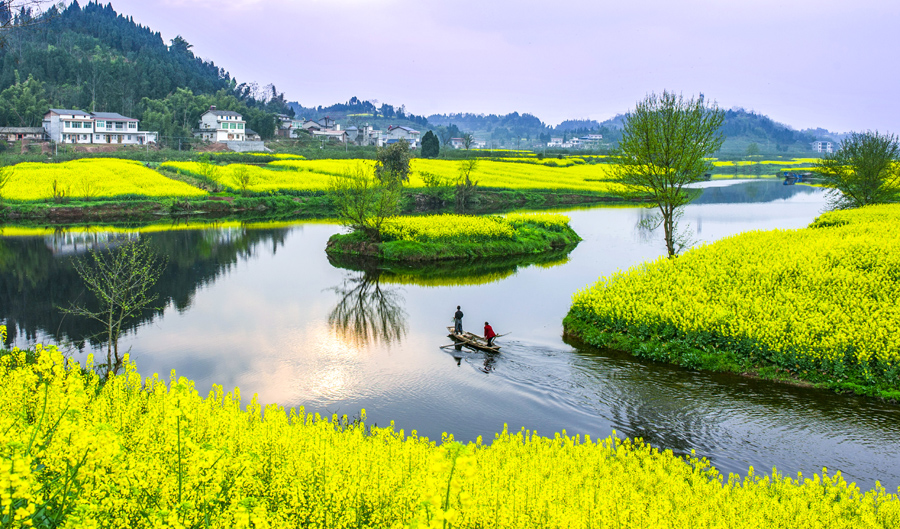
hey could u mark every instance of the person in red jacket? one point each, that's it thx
(489, 334)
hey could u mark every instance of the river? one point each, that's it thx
(263, 309)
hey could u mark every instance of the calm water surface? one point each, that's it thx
(265, 310)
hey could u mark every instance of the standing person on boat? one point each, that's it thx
(489, 334)
(457, 320)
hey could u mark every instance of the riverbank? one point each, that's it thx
(151, 451)
(457, 237)
(811, 306)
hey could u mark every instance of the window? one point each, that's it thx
(101, 124)
(96, 136)
(241, 126)
(129, 137)
(132, 125)
(75, 124)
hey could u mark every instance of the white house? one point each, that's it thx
(221, 125)
(336, 135)
(555, 142)
(823, 146)
(76, 126)
(403, 133)
(457, 143)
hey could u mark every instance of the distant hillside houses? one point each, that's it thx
(823, 146)
(79, 127)
(583, 142)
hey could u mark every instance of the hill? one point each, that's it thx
(94, 59)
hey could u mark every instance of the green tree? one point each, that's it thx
(392, 162)
(431, 145)
(665, 142)
(753, 149)
(465, 186)
(121, 279)
(467, 139)
(363, 201)
(23, 104)
(864, 170)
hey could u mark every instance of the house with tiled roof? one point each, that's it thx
(80, 127)
(402, 133)
(221, 125)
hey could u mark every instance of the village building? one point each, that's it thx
(22, 133)
(823, 146)
(252, 135)
(397, 133)
(79, 127)
(221, 126)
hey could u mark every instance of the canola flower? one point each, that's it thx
(82, 451)
(818, 302)
(91, 178)
(435, 228)
(489, 173)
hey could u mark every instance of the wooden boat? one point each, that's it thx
(472, 340)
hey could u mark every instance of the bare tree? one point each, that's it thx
(121, 280)
(664, 147)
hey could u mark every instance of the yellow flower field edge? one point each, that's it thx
(816, 305)
(452, 237)
(83, 451)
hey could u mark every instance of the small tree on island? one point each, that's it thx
(863, 171)
(431, 145)
(121, 280)
(665, 142)
(363, 201)
(392, 162)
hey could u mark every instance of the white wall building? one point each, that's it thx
(79, 127)
(221, 125)
(823, 146)
(403, 133)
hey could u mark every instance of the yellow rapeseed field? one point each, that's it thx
(434, 228)
(92, 178)
(488, 173)
(819, 302)
(81, 452)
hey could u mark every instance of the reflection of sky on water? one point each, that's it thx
(263, 325)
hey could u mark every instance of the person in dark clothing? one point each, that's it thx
(457, 320)
(489, 334)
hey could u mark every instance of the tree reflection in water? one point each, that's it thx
(367, 311)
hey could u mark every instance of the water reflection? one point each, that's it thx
(37, 276)
(367, 311)
(454, 273)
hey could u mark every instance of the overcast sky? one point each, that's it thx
(805, 63)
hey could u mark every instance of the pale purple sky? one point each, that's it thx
(824, 63)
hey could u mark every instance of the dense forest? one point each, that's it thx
(94, 59)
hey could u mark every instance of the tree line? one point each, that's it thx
(93, 59)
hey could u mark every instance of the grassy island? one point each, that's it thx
(449, 237)
(82, 450)
(815, 306)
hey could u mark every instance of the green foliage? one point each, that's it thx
(863, 171)
(465, 186)
(362, 201)
(665, 144)
(392, 162)
(24, 103)
(431, 146)
(92, 58)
